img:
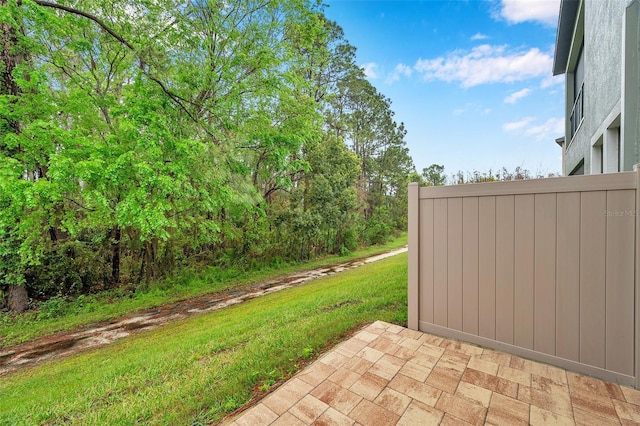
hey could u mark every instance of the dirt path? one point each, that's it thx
(67, 343)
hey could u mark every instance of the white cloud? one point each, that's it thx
(550, 129)
(486, 64)
(472, 108)
(404, 69)
(543, 11)
(479, 36)
(370, 70)
(399, 71)
(552, 80)
(517, 125)
(515, 96)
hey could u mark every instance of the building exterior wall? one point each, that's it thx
(603, 22)
(631, 86)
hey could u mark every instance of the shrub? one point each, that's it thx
(379, 229)
(53, 308)
(67, 268)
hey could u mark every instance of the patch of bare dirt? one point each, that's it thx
(67, 343)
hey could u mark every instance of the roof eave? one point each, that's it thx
(566, 25)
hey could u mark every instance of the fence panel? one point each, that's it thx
(545, 269)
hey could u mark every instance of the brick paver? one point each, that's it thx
(389, 375)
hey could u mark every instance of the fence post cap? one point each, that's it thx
(414, 184)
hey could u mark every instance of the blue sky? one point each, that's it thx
(471, 80)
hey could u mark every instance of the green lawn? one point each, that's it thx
(57, 315)
(198, 370)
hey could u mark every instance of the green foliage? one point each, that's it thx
(503, 174)
(53, 308)
(307, 352)
(67, 268)
(379, 227)
(187, 133)
(434, 175)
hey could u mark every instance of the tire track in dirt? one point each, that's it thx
(66, 343)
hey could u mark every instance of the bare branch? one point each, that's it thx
(88, 16)
(173, 96)
(78, 204)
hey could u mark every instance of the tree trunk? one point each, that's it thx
(148, 254)
(10, 57)
(116, 234)
(9, 40)
(18, 299)
(143, 263)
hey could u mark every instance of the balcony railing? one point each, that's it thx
(577, 112)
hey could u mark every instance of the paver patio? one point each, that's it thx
(389, 375)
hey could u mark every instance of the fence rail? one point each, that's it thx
(545, 269)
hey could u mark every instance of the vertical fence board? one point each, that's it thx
(470, 265)
(440, 261)
(620, 259)
(487, 267)
(592, 276)
(454, 263)
(544, 327)
(413, 278)
(568, 277)
(504, 267)
(426, 260)
(636, 285)
(524, 253)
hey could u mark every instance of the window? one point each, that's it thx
(578, 97)
(597, 157)
(618, 148)
(612, 148)
(605, 151)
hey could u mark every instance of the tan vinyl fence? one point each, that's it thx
(546, 269)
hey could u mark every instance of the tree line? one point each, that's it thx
(143, 136)
(434, 175)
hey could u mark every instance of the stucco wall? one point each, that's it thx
(631, 102)
(603, 41)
